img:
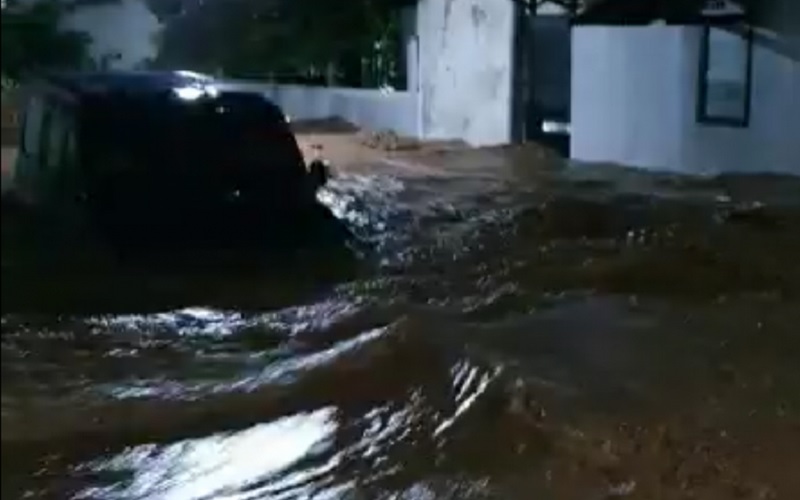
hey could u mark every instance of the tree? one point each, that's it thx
(32, 39)
(261, 38)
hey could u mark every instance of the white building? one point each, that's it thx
(482, 71)
(690, 98)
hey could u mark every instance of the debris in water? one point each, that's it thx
(622, 489)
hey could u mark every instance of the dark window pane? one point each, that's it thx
(725, 77)
(33, 125)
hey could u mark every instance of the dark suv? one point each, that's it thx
(175, 153)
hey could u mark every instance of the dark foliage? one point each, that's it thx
(32, 40)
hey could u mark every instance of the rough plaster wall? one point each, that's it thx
(127, 28)
(633, 102)
(465, 74)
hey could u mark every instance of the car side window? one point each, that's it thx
(53, 134)
(32, 127)
(70, 147)
(57, 136)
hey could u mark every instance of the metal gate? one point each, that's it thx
(543, 58)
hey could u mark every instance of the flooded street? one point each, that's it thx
(493, 331)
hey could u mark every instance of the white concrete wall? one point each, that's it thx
(459, 79)
(127, 28)
(465, 73)
(372, 109)
(633, 102)
(626, 106)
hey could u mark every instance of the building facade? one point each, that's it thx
(626, 89)
(693, 99)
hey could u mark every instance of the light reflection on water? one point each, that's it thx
(209, 322)
(305, 455)
(221, 466)
(502, 337)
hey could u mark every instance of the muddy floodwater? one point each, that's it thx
(564, 332)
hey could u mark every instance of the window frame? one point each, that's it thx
(703, 117)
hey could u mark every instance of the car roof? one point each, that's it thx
(150, 84)
(137, 82)
(145, 83)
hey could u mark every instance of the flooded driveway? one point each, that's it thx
(507, 332)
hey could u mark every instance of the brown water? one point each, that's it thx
(512, 334)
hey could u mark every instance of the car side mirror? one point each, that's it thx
(319, 172)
